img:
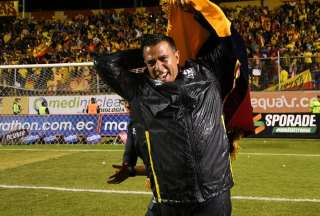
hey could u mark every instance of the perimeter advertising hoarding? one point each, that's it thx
(290, 125)
(282, 101)
(287, 125)
(82, 124)
(76, 104)
(112, 124)
(50, 124)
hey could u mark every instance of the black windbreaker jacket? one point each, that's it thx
(186, 150)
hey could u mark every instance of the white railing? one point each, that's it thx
(12, 79)
(55, 65)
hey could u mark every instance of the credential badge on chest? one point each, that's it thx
(188, 73)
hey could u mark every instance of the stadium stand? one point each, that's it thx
(292, 30)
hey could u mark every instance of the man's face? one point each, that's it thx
(162, 61)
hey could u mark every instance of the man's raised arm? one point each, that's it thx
(230, 63)
(202, 30)
(114, 70)
(209, 35)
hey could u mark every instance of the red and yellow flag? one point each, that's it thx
(190, 36)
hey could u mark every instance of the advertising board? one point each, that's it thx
(76, 104)
(282, 101)
(288, 125)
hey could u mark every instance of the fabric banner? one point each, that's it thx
(197, 36)
(282, 101)
(9, 8)
(287, 125)
(301, 81)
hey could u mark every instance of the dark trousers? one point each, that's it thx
(216, 206)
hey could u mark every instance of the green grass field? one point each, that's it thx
(272, 177)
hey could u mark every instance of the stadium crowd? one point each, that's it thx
(30, 41)
(292, 29)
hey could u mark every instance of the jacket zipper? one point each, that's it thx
(195, 155)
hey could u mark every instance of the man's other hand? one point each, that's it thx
(122, 173)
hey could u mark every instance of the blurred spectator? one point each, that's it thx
(283, 75)
(308, 58)
(56, 80)
(293, 68)
(16, 106)
(43, 108)
(315, 105)
(78, 82)
(92, 107)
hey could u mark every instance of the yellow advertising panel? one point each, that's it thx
(9, 8)
(299, 81)
(6, 105)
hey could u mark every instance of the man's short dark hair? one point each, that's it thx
(153, 39)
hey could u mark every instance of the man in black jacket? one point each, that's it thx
(180, 108)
